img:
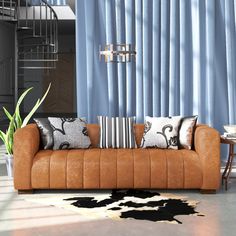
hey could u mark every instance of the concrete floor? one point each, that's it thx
(22, 218)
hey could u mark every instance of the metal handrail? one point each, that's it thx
(44, 27)
(55, 14)
(47, 33)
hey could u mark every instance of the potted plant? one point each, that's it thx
(16, 122)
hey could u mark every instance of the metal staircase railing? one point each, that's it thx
(37, 35)
(8, 10)
(37, 32)
(36, 41)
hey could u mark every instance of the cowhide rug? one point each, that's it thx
(126, 204)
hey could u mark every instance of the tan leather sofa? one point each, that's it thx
(96, 168)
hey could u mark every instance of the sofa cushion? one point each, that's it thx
(186, 132)
(69, 133)
(116, 132)
(161, 132)
(45, 130)
(116, 168)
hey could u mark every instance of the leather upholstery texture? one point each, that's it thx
(97, 168)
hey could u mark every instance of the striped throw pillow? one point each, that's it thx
(116, 132)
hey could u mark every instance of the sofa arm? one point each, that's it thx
(207, 145)
(26, 145)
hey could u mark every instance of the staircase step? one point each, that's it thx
(7, 13)
(37, 44)
(7, 10)
(37, 67)
(8, 19)
(48, 55)
(33, 53)
(38, 60)
(21, 28)
(32, 36)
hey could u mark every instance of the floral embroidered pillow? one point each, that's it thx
(69, 133)
(161, 132)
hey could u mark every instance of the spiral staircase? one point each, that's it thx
(36, 33)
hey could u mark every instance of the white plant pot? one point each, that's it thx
(9, 164)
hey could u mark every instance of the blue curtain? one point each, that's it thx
(185, 61)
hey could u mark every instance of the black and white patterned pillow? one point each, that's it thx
(69, 133)
(45, 130)
(186, 132)
(116, 132)
(161, 132)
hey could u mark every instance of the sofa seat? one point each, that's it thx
(116, 168)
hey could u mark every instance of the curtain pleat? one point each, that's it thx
(146, 40)
(120, 34)
(164, 53)
(210, 74)
(139, 100)
(109, 39)
(173, 60)
(185, 62)
(230, 56)
(129, 36)
(195, 30)
(156, 59)
(182, 56)
(81, 65)
(89, 29)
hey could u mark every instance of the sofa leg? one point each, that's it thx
(28, 191)
(207, 191)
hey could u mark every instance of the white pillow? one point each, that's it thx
(161, 132)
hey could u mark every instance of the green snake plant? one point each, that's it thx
(15, 120)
